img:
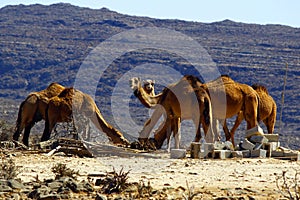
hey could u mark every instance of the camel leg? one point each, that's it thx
(270, 121)
(18, 132)
(169, 123)
(150, 123)
(26, 134)
(225, 129)
(47, 131)
(176, 132)
(251, 111)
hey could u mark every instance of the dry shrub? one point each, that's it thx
(61, 170)
(9, 170)
(114, 182)
(289, 185)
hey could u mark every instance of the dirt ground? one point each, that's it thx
(212, 178)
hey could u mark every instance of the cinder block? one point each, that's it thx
(208, 149)
(257, 130)
(247, 145)
(295, 156)
(246, 153)
(237, 154)
(178, 153)
(272, 137)
(221, 154)
(258, 146)
(270, 147)
(261, 153)
(195, 149)
(219, 146)
(258, 139)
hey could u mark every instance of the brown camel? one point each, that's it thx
(72, 102)
(239, 97)
(267, 110)
(182, 100)
(173, 124)
(33, 109)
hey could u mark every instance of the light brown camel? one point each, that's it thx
(267, 110)
(72, 102)
(33, 109)
(182, 100)
(238, 97)
(172, 125)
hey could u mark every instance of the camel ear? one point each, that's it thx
(153, 81)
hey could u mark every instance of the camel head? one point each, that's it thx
(135, 83)
(148, 86)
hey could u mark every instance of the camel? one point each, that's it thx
(148, 86)
(32, 110)
(178, 101)
(267, 110)
(239, 97)
(172, 124)
(71, 102)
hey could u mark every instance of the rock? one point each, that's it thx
(100, 197)
(178, 153)
(14, 184)
(54, 185)
(5, 188)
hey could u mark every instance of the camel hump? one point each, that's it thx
(192, 79)
(32, 98)
(259, 87)
(67, 92)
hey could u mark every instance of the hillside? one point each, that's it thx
(42, 44)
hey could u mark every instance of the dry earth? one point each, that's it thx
(213, 178)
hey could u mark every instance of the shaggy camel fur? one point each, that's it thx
(71, 101)
(184, 94)
(267, 110)
(33, 109)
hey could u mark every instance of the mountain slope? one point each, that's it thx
(42, 44)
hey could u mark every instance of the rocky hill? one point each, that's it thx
(42, 44)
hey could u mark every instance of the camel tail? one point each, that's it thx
(19, 119)
(207, 112)
(258, 109)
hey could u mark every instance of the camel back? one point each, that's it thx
(261, 88)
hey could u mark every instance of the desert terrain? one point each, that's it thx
(233, 178)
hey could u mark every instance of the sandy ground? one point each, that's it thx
(255, 177)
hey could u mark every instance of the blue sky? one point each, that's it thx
(284, 12)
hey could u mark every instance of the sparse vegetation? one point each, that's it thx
(114, 182)
(289, 186)
(61, 170)
(9, 170)
(191, 194)
(6, 131)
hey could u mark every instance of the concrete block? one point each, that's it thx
(237, 154)
(259, 153)
(270, 146)
(221, 154)
(247, 145)
(272, 137)
(208, 147)
(195, 149)
(258, 146)
(178, 153)
(257, 130)
(219, 146)
(246, 153)
(258, 139)
(292, 155)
